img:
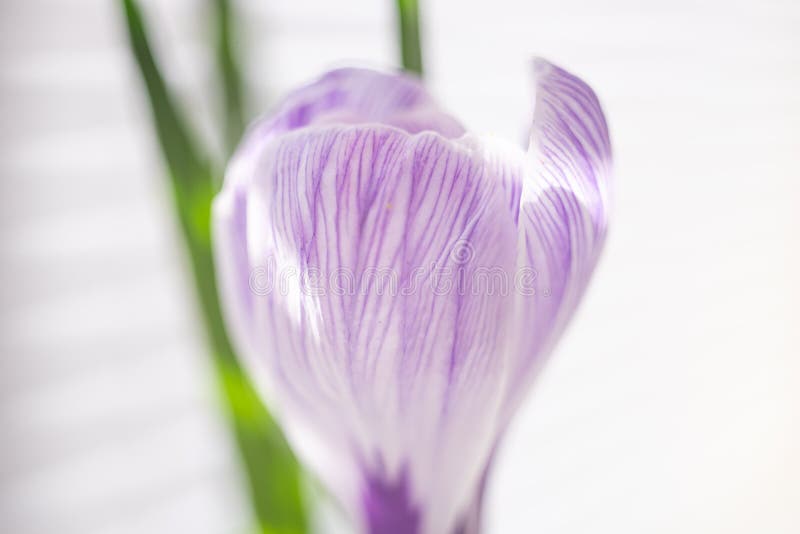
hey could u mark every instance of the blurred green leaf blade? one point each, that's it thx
(273, 474)
(230, 74)
(409, 33)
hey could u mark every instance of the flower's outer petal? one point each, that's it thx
(562, 216)
(360, 96)
(373, 329)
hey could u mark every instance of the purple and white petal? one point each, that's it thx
(386, 373)
(361, 96)
(562, 216)
(394, 284)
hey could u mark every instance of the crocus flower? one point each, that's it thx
(394, 283)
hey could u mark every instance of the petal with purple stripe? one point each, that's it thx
(392, 373)
(562, 215)
(394, 284)
(360, 96)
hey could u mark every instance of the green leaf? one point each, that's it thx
(181, 155)
(410, 46)
(230, 75)
(273, 474)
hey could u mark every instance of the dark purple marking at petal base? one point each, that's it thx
(387, 507)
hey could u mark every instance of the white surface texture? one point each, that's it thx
(671, 406)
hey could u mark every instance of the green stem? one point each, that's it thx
(273, 475)
(232, 86)
(410, 47)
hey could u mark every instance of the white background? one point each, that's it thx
(672, 405)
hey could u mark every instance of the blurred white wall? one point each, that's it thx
(672, 406)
